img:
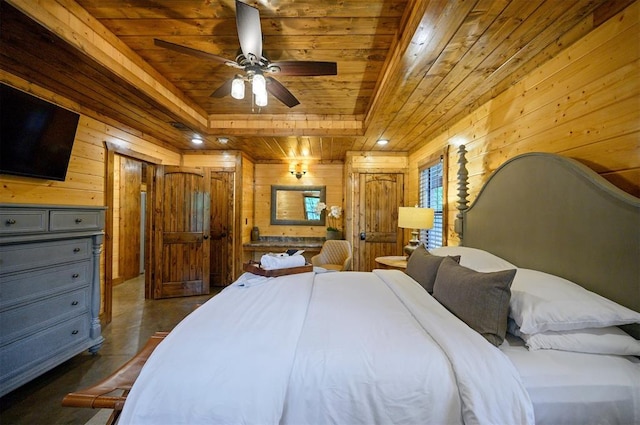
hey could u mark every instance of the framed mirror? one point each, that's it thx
(296, 205)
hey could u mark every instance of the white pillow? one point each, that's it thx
(543, 302)
(609, 340)
(475, 259)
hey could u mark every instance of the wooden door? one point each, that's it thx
(380, 195)
(221, 232)
(180, 232)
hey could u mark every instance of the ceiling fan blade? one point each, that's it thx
(189, 51)
(281, 93)
(223, 90)
(306, 68)
(249, 31)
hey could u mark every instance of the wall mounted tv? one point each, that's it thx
(36, 136)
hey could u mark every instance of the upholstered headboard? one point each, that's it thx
(550, 213)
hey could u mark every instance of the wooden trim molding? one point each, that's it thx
(125, 151)
(108, 235)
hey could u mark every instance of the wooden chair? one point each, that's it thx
(111, 392)
(334, 255)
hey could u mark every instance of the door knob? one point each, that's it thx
(206, 237)
(363, 236)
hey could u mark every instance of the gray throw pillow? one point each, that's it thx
(423, 267)
(481, 300)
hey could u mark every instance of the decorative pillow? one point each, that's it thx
(475, 259)
(423, 267)
(481, 300)
(543, 302)
(609, 340)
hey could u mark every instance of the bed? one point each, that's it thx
(507, 328)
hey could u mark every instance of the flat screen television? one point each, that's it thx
(36, 136)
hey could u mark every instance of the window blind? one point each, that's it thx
(431, 196)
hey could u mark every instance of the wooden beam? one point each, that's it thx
(288, 125)
(73, 24)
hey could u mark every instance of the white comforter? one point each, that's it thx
(341, 348)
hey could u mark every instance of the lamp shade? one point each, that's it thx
(415, 218)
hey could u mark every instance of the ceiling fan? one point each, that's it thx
(255, 64)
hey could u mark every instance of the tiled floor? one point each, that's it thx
(134, 321)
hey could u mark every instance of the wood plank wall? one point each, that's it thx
(582, 104)
(247, 213)
(266, 175)
(85, 182)
(130, 211)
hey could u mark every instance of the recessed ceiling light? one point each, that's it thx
(196, 141)
(223, 140)
(383, 142)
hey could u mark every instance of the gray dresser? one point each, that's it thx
(49, 288)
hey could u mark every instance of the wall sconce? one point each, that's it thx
(298, 171)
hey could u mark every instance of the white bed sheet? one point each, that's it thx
(335, 380)
(344, 348)
(228, 362)
(578, 388)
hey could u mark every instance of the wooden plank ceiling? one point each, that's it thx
(407, 69)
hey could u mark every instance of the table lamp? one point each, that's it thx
(414, 218)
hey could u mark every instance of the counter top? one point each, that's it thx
(267, 242)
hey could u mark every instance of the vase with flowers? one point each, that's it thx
(334, 213)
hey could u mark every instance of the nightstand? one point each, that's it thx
(392, 262)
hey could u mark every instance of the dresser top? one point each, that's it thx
(53, 207)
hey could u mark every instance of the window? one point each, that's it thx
(431, 196)
(310, 207)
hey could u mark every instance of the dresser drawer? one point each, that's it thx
(21, 355)
(30, 255)
(22, 221)
(24, 287)
(30, 318)
(63, 220)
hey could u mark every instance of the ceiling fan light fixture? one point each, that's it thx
(259, 85)
(261, 99)
(252, 60)
(237, 88)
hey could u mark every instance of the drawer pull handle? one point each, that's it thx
(11, 221)
(74, 303)
(76, 249)
(74, 332)
(75, 275)
(78, 220)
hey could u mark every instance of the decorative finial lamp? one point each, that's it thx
(414, 218)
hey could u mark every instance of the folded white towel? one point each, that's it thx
(278, 261)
